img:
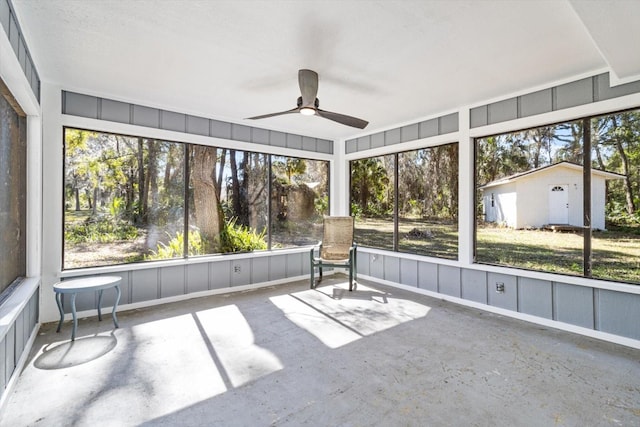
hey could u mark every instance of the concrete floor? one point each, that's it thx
(290, 356)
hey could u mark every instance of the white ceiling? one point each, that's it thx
(388, 62)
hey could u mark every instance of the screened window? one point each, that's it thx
(373, 200)
(131, 199)
(13, 204)
(408, 201)
(562, 198)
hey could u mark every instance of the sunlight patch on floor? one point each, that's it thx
(162, 365)
(233, 343)
(338, 317)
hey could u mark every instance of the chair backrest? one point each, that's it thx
(337, 237)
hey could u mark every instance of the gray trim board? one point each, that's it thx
(579, 92)
(433, 127)
(11, 27)
(81, 105)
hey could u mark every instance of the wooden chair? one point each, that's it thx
(337, 249)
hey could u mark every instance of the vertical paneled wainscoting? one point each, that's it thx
(147, 284)
(609, 314)
(18, 328)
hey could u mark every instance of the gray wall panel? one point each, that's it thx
(172, 281)
(260, 270)
(449, 280)
(502, 111)
(535, 297)
(240, 272)
(428, 276)
(377, 140)
(573, 304)
(410, 132)
(145, 116)
(324, 146)
(391, 268)
(619, 313)
(295, 262)
(10, 348)
(20, 340)
(474, 285)
(376, 266)
(294, 141)
(198, 125)
(605, 91)
(363, 143)
(428, 128)
(575, 93)
(309, 144)
(478, 117)
(197, 277)
(220, 274)
(409, 272)
(173, 121)
(260, 136)
(448, 124)
(306, 263)
(536, 103)
(115, 111)
(80, 105)
(278, 139)
(219, 129)
(363, 263)
(3, 363)
(240, 132)
(350, 146)
(144, 285)
(14, 34)
(22, 56)
(508, 299)
(277, 267)
(4, 15)
(392, 136)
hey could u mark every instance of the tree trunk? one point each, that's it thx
(152, 178)
(208, 212)
(76, 190)
(628, 189)
(142, 185)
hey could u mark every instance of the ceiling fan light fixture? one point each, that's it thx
(307, 111)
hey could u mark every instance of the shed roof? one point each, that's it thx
(568, 165)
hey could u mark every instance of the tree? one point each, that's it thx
(206, 202)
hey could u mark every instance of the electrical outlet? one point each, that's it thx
(236, 269)
(500, 287)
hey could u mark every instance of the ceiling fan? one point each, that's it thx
(308, 104)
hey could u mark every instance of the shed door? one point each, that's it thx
(559, 204)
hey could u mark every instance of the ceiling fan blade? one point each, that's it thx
(308, 81)
(264, 116)
(343, 119)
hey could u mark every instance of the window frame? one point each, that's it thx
(186, 168)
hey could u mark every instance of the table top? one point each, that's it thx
(94, 283)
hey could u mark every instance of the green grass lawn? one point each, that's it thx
(615, 253)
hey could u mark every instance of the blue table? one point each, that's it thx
(98, 283)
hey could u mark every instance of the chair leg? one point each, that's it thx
(313, 271)
(350, 278)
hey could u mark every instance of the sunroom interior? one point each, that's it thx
(127, 150)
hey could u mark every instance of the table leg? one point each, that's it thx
(115, 306)
(59, 302)
(75, 318)
(99, 304)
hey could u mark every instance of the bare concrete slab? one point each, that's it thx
(291, 356)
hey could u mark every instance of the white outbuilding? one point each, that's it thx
(550, 195)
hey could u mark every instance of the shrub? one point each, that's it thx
(240, 238)
(175, 247)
